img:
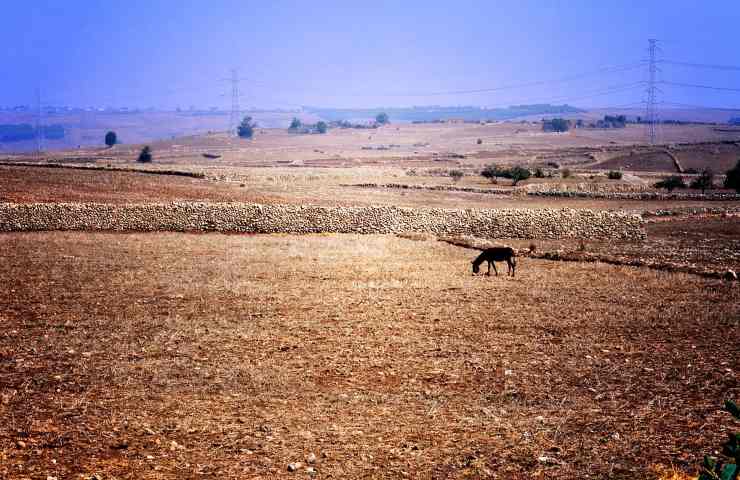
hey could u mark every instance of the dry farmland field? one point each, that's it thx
(183, 356)
(174, 355)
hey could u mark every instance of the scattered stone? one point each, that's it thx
(730, 276)
(20, 444)
(310, 470)
(311, 458)
(292, 467)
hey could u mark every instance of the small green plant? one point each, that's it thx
(671, 183)
(566, 173)
(146, 155)
(538, 173)
(382, 119)
(456, 175)
(728, 469)
(614, 175)
(479, 141)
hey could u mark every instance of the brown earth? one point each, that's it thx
(319, 186)
(190, 356)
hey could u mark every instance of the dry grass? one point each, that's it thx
(183, 356)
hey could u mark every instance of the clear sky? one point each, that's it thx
(169, 53)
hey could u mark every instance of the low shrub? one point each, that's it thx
(671, 183)
(614, 175)
(146, 155)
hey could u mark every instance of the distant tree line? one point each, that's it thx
(296, 126)
(25, 131)
(555, 125)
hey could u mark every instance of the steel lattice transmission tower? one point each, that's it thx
(39, 123)
(651, 114)
(235, 110)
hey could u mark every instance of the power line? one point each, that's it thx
(706, 107)
(578, 76)
(39, 124)
(701, 65)
(707, 87)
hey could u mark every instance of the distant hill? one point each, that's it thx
(432, 113)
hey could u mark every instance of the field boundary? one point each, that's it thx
(178, 173)
(587, 257)
(300, 219)
(527, 190)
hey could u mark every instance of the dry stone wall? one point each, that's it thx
(255, 218)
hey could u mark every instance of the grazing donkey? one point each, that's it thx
(496, 254)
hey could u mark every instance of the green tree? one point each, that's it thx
(732, 180)
(382, 118)
(146, 155)
(322, 127)
(671, 183)
(111, 138)
(517, 174)
(491, 172)
(704, 181)
(246, 128)
(295, 124)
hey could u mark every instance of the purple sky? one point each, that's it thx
(350, 54)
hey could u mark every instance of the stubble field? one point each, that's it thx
(203, 356)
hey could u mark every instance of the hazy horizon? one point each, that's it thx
(169, 55)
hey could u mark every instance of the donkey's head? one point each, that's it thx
(476, 267)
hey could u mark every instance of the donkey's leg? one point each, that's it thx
(512, 266)
(494, 268)
(488, 274)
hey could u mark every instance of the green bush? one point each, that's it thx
(732, 180)
(614, 175)
(704, 181)
(322, 127)
(246, 128)
(714, 468)
(538, 173)
(566, 173)
(671, 183)
(382, 118)
(456, 175)
(479, 141)
(111, 138)
(516, 174)
(146, 155)
(295, 124)
(491, 172)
